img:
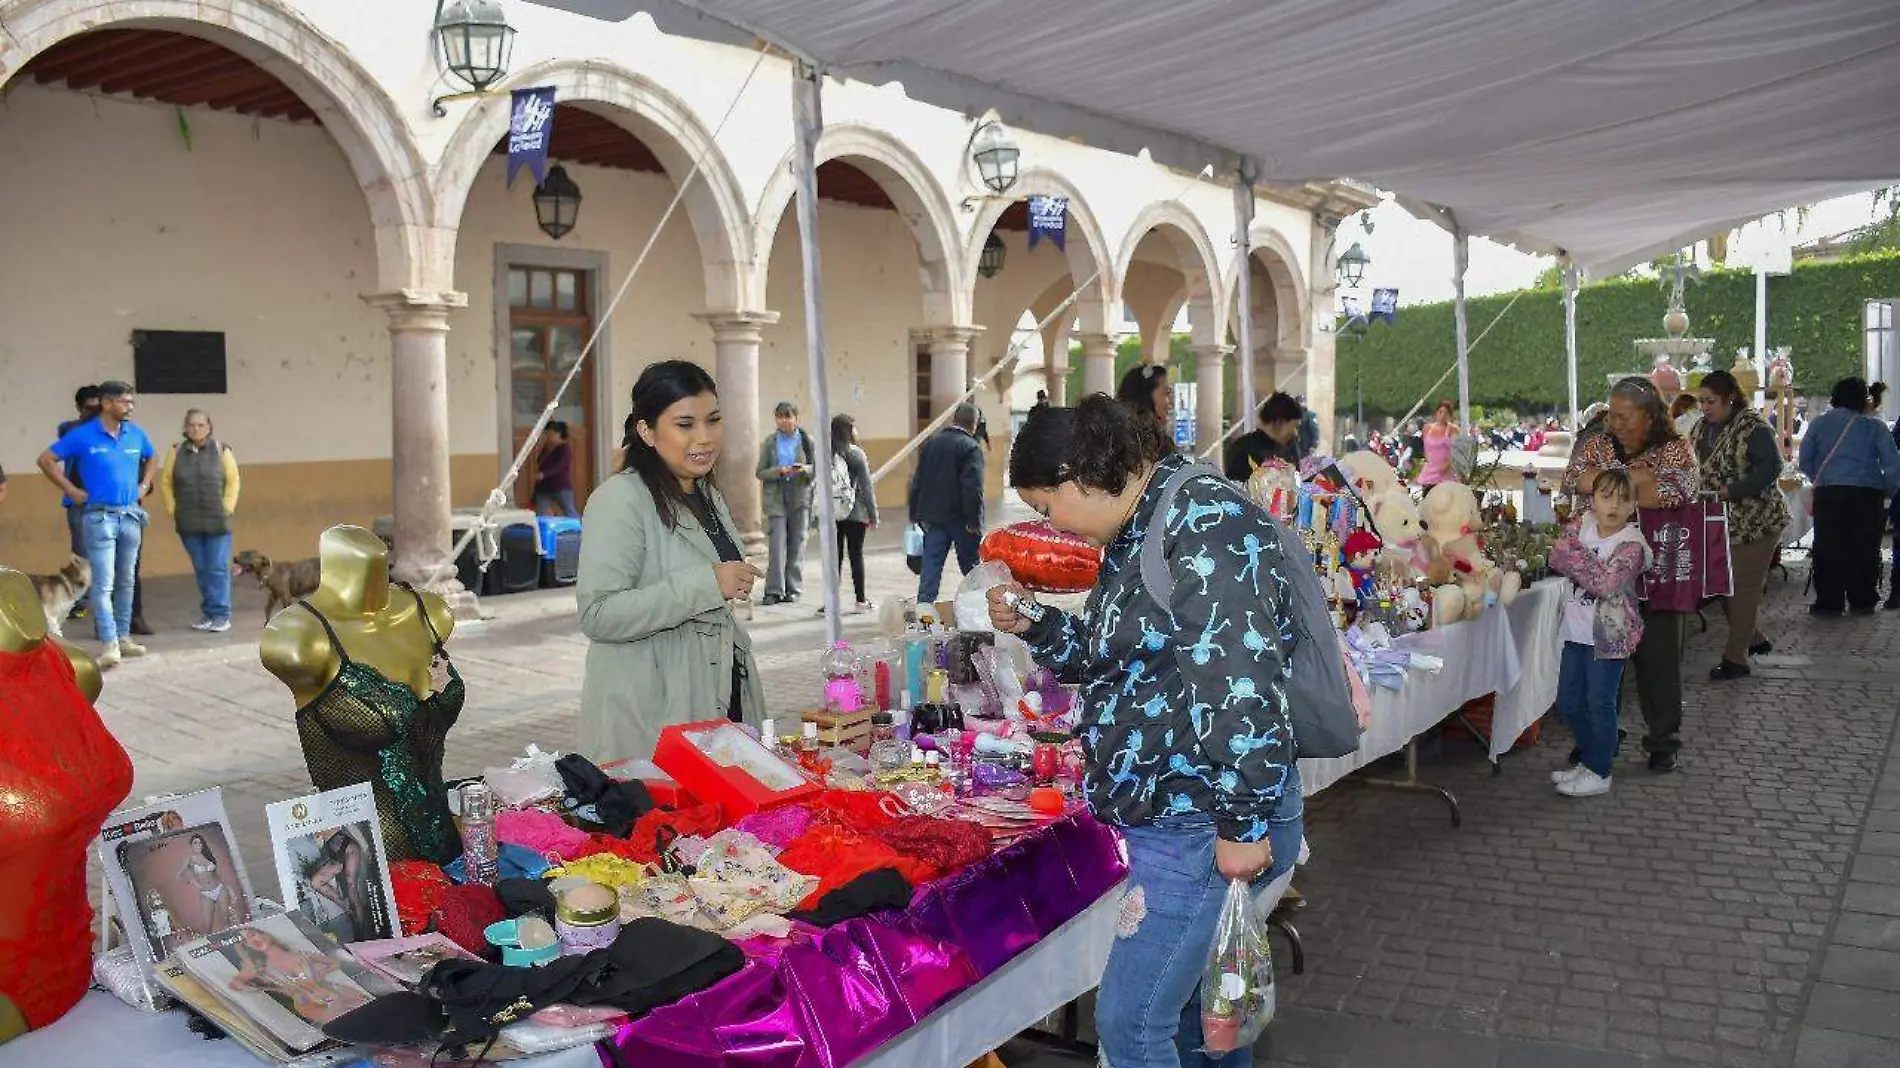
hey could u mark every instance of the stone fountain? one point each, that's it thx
(1664, 352)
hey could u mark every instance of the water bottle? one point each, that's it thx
(840, 666)
(480, 854)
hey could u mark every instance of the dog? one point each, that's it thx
(62, 589)
(287, 582)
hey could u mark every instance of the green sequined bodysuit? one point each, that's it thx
(365, 728)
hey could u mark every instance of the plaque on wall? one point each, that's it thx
(178, 361)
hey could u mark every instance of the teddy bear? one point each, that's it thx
(1459, 570)
(1371, 476)
(1396, 520)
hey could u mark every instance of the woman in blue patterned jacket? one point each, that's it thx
(1184, 713)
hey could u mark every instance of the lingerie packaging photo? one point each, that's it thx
(174, 873)
(331, 863)
(280, 976)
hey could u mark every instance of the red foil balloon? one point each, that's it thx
(1043, 558)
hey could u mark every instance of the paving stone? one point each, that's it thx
(1298, 1036)
(1867, 931)
(1851, 966)
(1854, 1009)
(1414, 1047)
(1819, 1047)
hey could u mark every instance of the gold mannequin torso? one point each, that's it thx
(374, 628)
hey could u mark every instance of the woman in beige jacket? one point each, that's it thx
(660, 561)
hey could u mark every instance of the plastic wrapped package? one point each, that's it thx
(1237, 996)
(973, 596)
(530, 779)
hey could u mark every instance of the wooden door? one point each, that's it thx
(549, 322)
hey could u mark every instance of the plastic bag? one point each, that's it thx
(913, 540)
(1237, 999)
(973, 596)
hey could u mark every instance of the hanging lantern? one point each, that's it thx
(476, 40)
(990, 264)
(557, 203)
(1043, 558)
(1352, 266)
(995, 155)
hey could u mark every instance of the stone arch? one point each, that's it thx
(1291, 298)
(358, 115)
(918, 197)
(660, 120)
(1193, 253)
(1089, 256)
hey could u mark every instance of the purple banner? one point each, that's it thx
(530, 128)
(1385, 305)
(1049, 217)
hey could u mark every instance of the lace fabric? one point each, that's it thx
(365, 727)
(61, 775)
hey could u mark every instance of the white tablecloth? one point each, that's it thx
(1483, 655)
(1800, 522)
(102, 1032)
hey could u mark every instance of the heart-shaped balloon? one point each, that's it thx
(1043, 558)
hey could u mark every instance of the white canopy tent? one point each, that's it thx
(1607, 131)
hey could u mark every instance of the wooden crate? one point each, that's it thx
(846, 730)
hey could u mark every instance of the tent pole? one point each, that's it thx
(1461, 259)
(1570, 337)
(1243, 223)
(1761, 332)
(808, 119)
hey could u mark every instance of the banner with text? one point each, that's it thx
(1049, 217)
(530, 128)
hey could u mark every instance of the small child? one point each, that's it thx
(1603, 557)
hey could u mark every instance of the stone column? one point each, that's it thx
(1056, 361)
(1098, 364)
(1210, 363)
(736, 336)
(949, 348)
(420, 490)
(1321, 389)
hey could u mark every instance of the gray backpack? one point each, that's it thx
(1318, 697)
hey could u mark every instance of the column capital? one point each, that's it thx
(1216, 352)
(737, 325)
(1288, 353)
(418, 309)
(1095, 344)
(934, 336)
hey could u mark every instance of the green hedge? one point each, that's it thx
(1817, 311)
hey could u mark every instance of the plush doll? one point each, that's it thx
(1461, 572)
(1371, 475)
(1356, 580)
(1396, 520)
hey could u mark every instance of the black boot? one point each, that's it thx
(140, 627)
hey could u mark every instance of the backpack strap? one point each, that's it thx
(1154, 554)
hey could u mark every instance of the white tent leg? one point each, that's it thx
(1570, 339)
(1761, 334)
(808, 118)
(1461, 259)
(1243, 222)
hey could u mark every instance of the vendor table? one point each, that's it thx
(1512, 652)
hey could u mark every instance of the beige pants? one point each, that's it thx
(1749, 561)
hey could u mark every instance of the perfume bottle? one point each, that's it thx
(808, 749)
(480, 852)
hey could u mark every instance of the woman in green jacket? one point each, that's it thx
(660, 563)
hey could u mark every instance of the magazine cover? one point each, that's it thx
(172, 976)
(174, 872)
(407, 960)
(276, 977)
(331, 865)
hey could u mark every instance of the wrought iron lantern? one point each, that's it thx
(557, 203)
(476, 41)
(995, 154)
(1352, 266)
(990, 264)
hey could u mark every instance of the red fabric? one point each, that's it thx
(838, 856)
(855, 810)
(641, 843)
(61, 774)
(946, 845)
(419, 885)
(465, 911)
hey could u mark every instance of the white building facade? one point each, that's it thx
(250, 207)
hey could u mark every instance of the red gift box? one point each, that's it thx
(736, 790)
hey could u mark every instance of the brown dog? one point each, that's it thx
(287, 582)
(59, 591)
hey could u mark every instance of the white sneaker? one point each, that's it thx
(203, 624)
(218, 626)
(1564, 775)
(1586, 784)
(867, 606)
(130, 648)
(110, 658)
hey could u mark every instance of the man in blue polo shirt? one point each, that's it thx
(113, 458)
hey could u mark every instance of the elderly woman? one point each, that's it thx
(1850, 458)
(1741, 465)
(1641, 439)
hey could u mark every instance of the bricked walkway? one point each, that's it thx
(1699, 918)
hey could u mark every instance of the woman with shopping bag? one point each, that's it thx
(1741, 467)
(1662, 467)
(1851, 459)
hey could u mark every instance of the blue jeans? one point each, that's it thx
(112, 537)
(937, 542)
(1587, 696)
(1148, 1010)
(558, 503)
(211, 563)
